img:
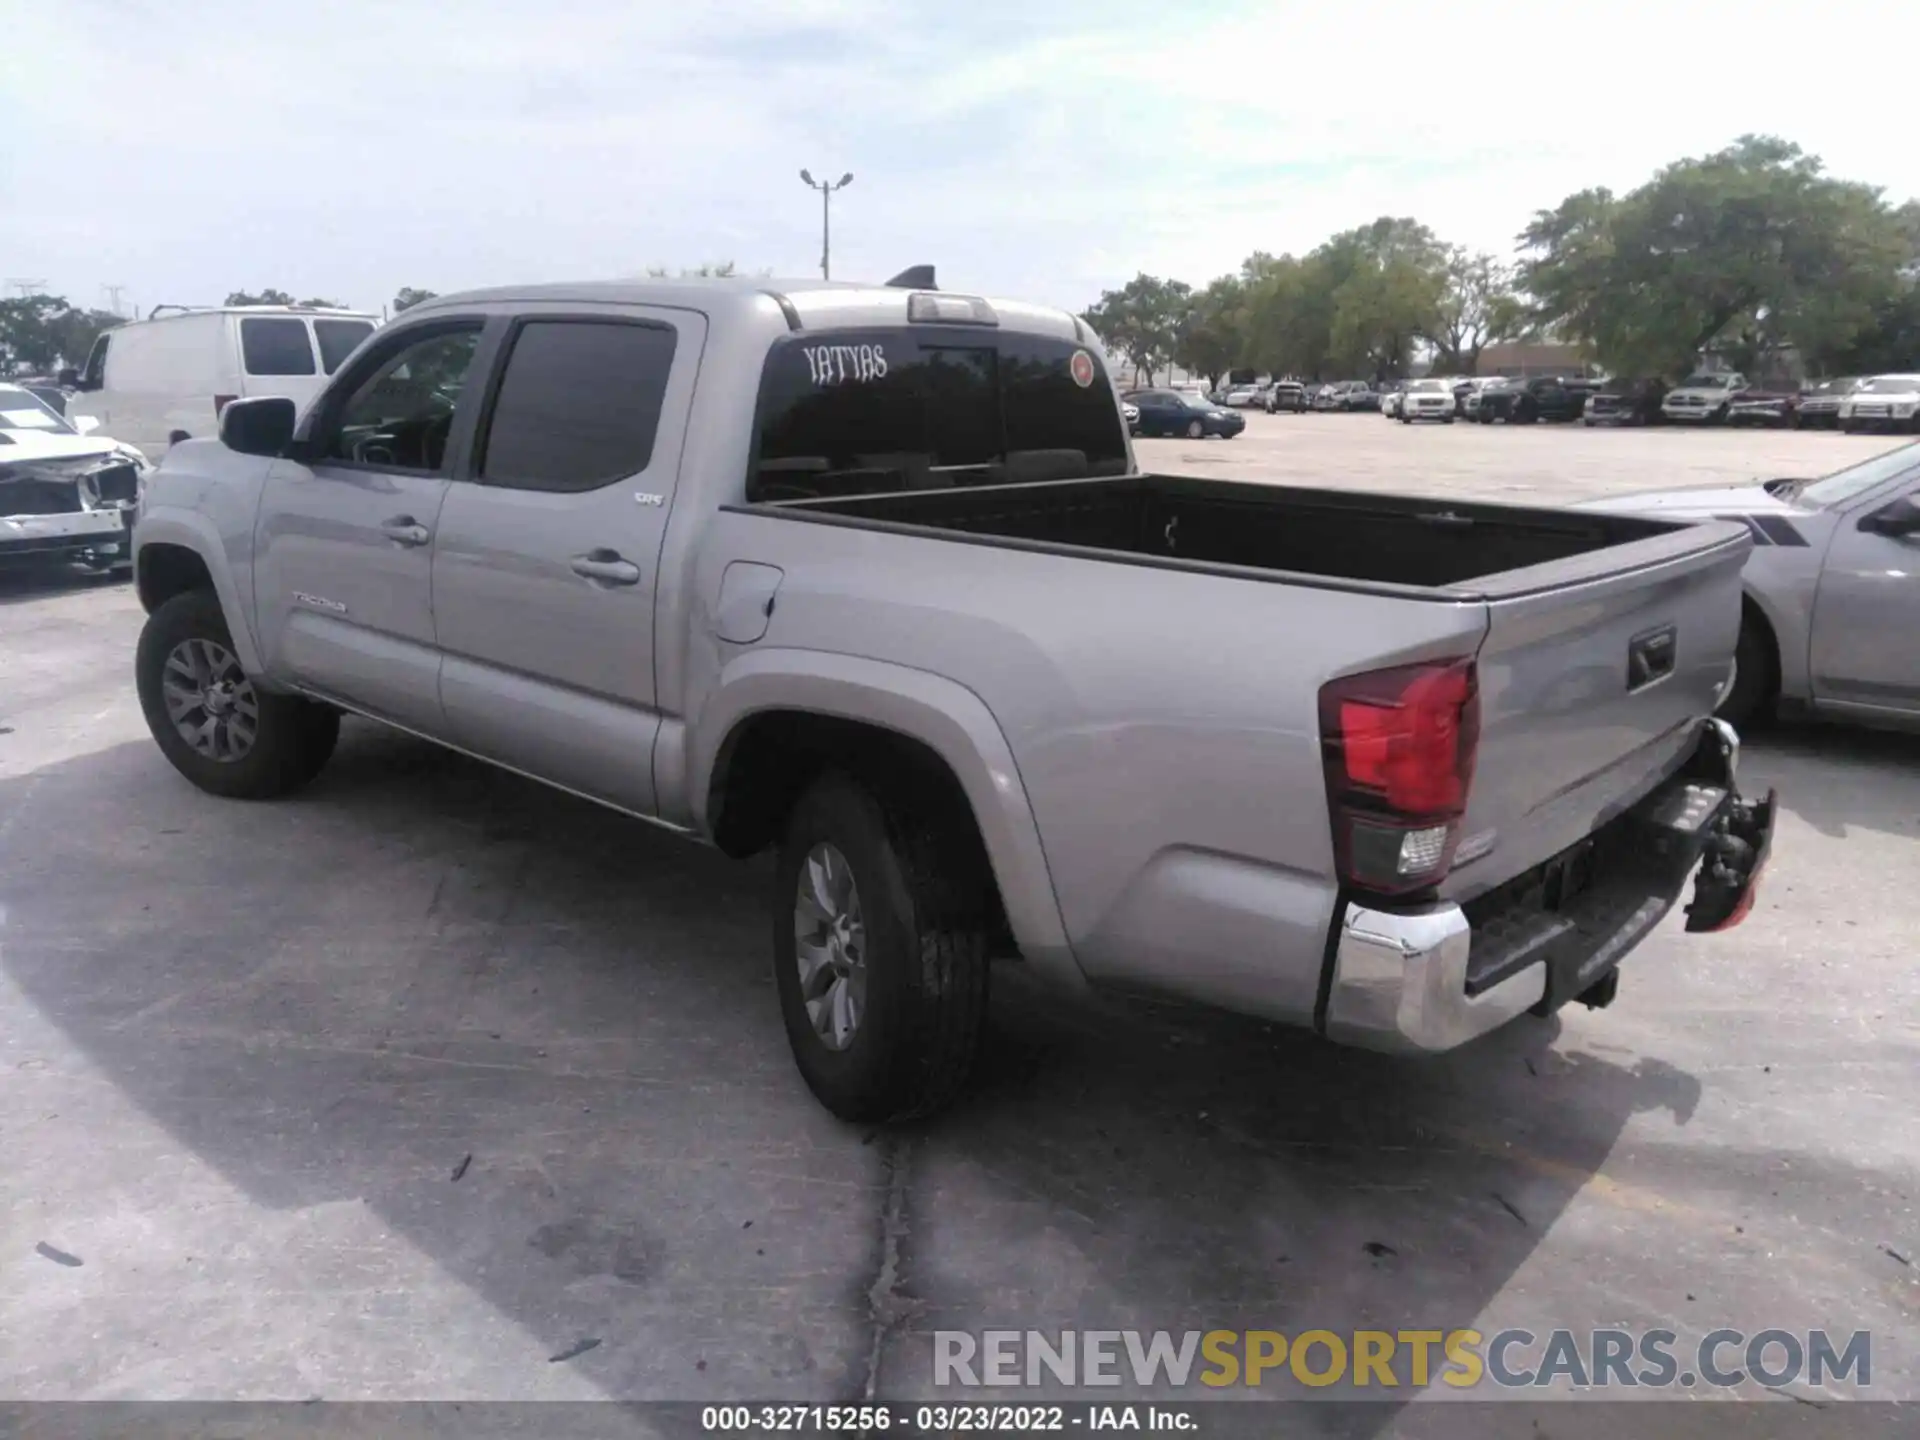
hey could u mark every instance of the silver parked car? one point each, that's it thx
(1832, 607)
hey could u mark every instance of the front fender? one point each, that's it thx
(192, 530)
(948, 718)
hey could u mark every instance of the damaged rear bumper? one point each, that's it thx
(1434, 978)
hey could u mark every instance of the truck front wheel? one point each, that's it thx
(215, 726)
(880, 944)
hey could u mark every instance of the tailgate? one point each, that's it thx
(1594, 675)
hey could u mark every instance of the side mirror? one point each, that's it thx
(261, 427)
(86, 424)
(1897, 521)
(69, 378)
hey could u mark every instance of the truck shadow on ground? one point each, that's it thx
(21, 583)
(539, 1041)
(1835, 777)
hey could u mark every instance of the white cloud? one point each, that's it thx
(1037, 150)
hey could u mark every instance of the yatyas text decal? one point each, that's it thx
(838, 364)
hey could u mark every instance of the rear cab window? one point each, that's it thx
(276, 345)
(929, 407)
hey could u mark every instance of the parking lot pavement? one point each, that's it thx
(408, 1085)
(1509, 464)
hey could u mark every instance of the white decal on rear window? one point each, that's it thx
(837, 364)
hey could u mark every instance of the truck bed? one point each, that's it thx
(1396, 541)
(1602, 640)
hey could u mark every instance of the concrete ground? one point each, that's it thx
(408, 1085)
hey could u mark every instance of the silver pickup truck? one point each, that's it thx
(867, 575)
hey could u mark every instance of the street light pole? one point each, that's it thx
(826, 189)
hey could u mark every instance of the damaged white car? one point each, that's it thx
(66, 495)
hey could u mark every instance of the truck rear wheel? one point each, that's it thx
(880, 954)
(212, 723)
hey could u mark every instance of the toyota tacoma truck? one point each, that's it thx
(867, 576)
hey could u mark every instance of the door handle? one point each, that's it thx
(606, 567)
(406, 531)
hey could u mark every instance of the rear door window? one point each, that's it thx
(903, 409)
(276, 345)
(578, 405)
(339, 339)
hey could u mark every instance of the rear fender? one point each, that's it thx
(946, 717)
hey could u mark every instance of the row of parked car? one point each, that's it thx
(1888, 402)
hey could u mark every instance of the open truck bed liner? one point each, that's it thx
(1312, 536)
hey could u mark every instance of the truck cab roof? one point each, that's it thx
(805, 304)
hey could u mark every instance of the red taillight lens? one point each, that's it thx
(220, 402)
(1399, 749)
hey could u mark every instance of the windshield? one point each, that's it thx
(1196, 402)
(1843, 485)
(1428, 387)
(1705, 382)
(23, 410)
(1892, 385)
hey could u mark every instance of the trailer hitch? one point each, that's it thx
(1734, 854)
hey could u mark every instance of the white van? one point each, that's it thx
(167, 378)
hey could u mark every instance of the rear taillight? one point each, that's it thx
(1399, 746)
(220, 402)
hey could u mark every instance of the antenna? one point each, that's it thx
(113, 293)
(914, 277)
(27, 287)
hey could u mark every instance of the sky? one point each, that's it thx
(342, 149)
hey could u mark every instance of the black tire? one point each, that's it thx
(1756, 676)
(293, 737)
(925, 955)
(1446, 419)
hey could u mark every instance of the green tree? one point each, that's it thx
(1476, 307)
(1386, 282)
(29, 334)
(1143, 320)
(1289, 315)
(1212, 335)
(264, 297)
(1747, 250)
(40, 333)
(409, 296)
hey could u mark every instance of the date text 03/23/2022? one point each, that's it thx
(946, 1419)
